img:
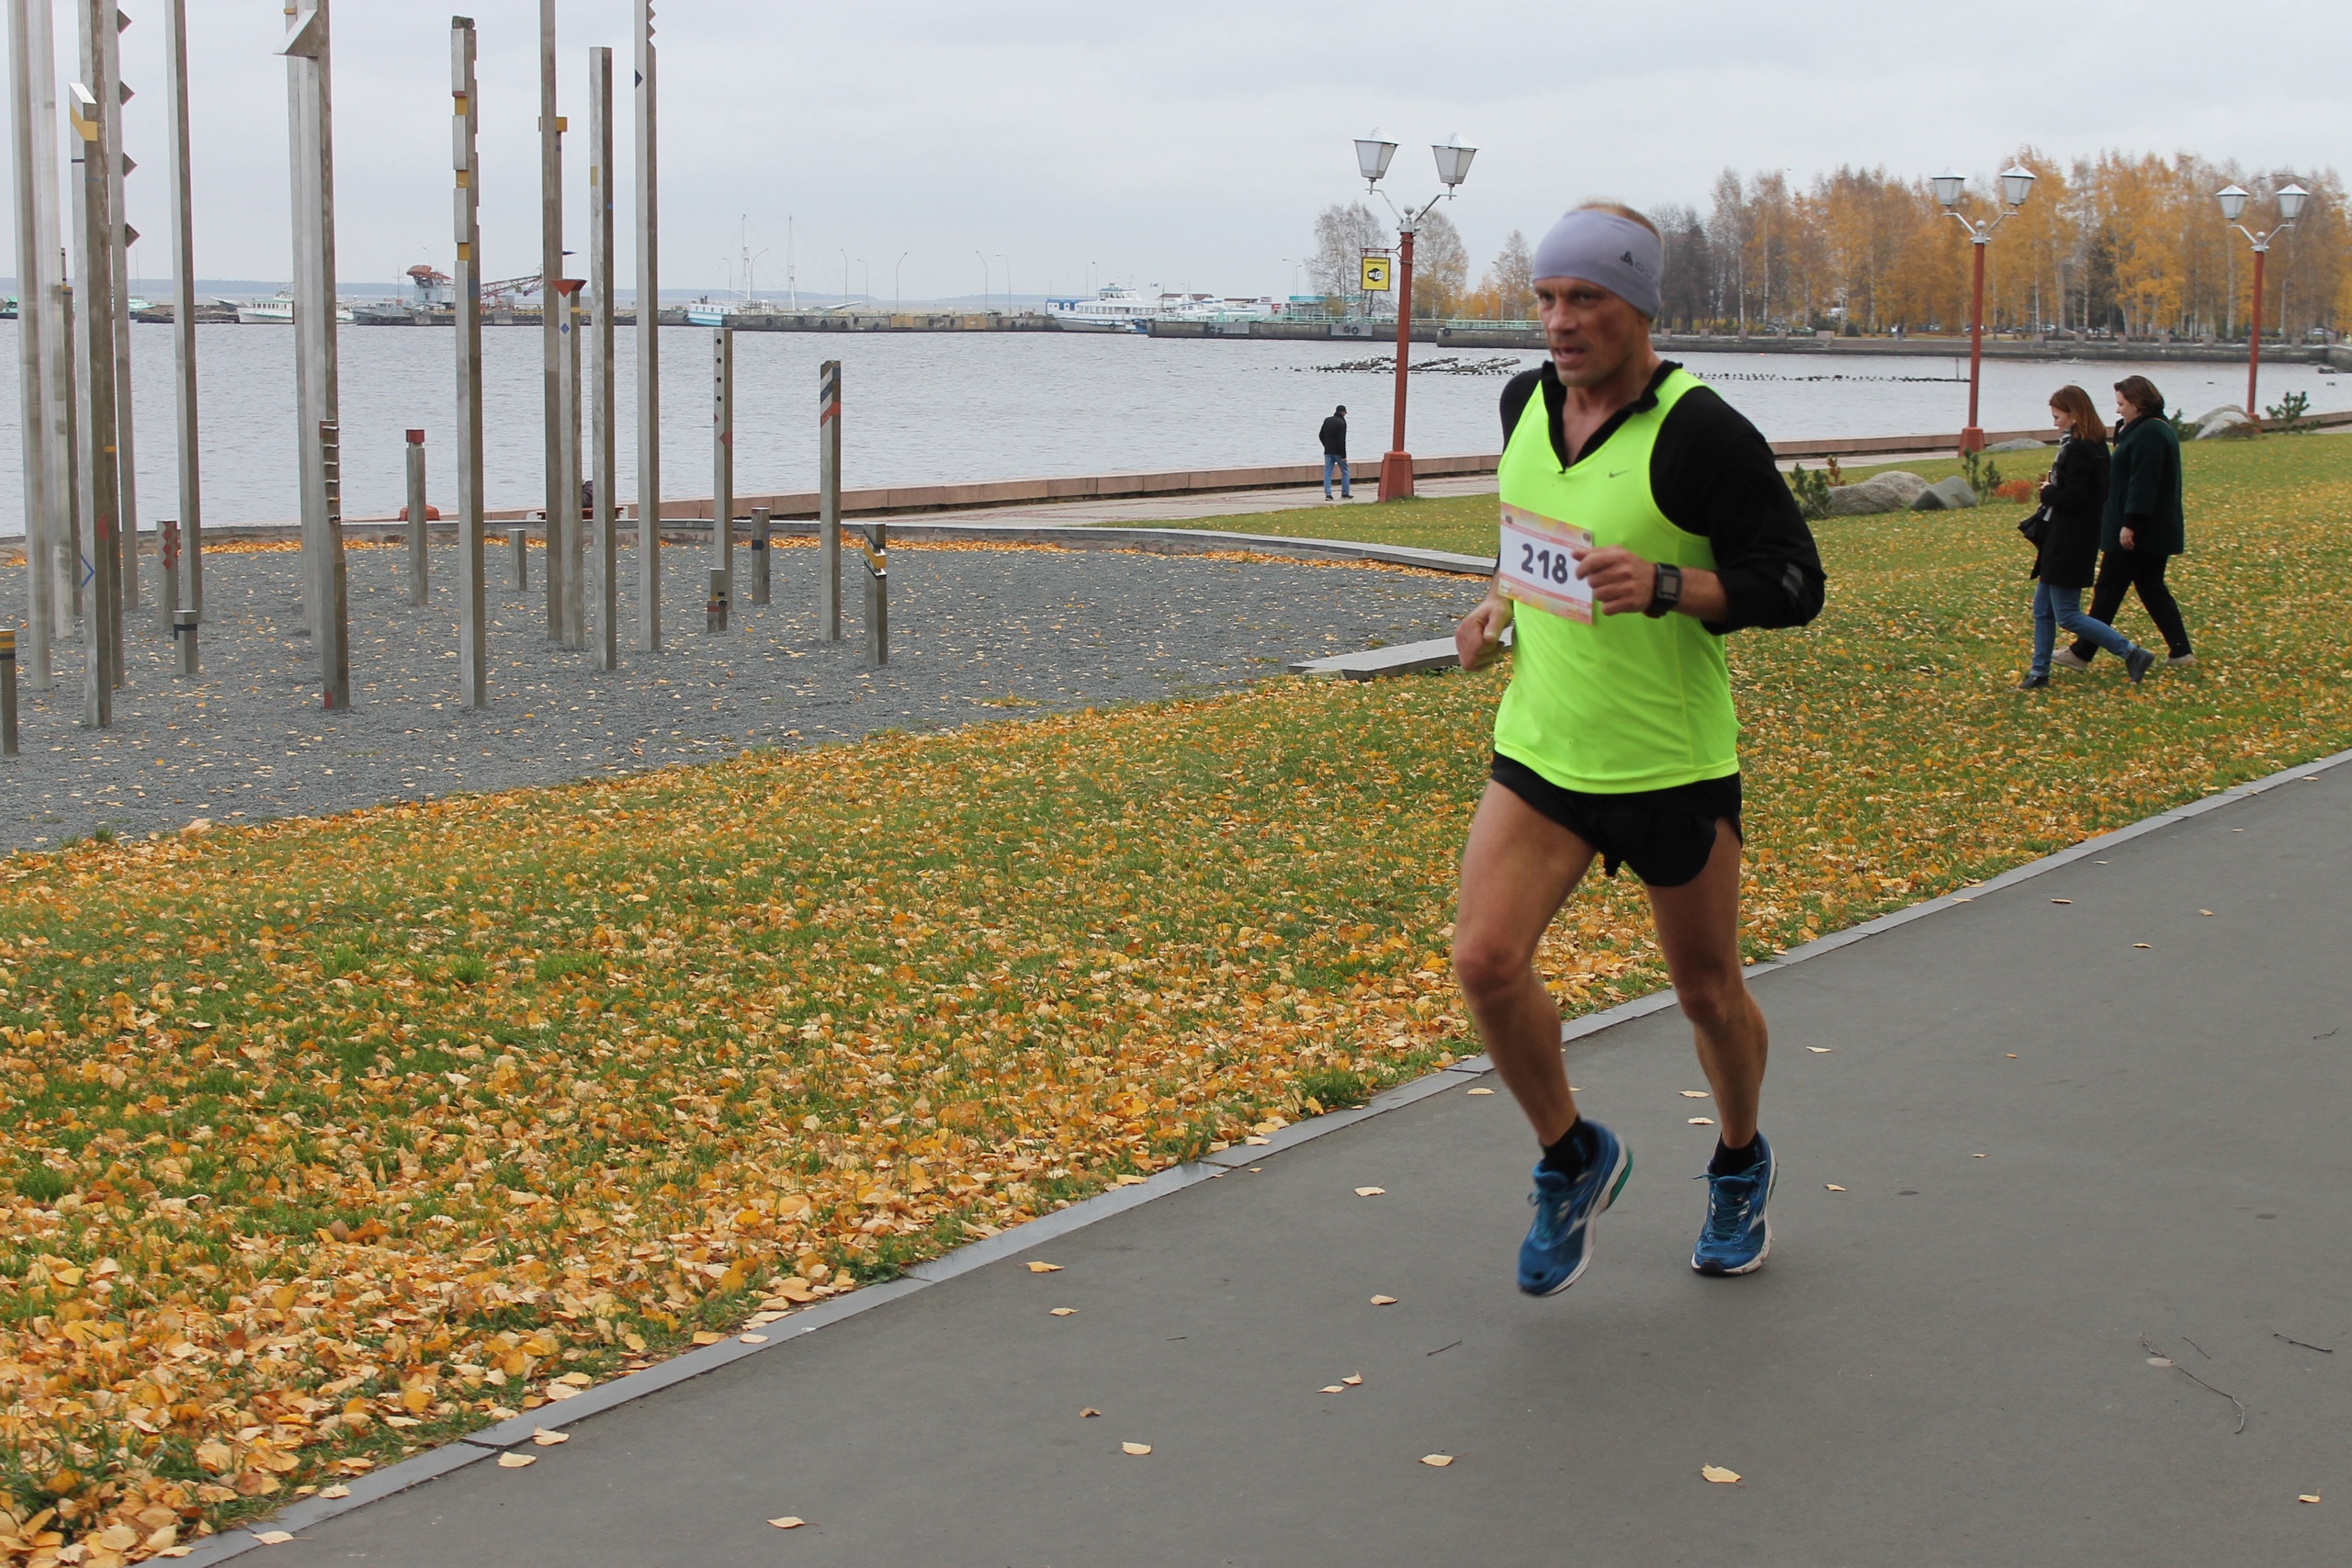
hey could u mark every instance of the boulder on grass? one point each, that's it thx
(2023, 444)
(2225, 422)
(1889, 492)
(1946, 495)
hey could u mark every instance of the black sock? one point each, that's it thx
(1571, 1153)
(1729, 1161)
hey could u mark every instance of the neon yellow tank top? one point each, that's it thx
(1627, 703)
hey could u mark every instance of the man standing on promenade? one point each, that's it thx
(1642, 520)
(1335, 453)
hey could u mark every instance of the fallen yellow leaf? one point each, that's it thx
(789, 1522)
(273, 1537)
(516, 1461)
(2308, 1497)
(1064, 1312)
(1702, 1121)
(705, 1337)
(1833, 1187)
(1333, 1388)
(336, 1491)
(1128, 1180)
(2142, 944)
(1480, 1091)
(1353, 1380)
(1384, 1301)
(1371, 1191)
(1821, 1050)
(2204, 911)
(1693, 1093)
(1089, 1410)
(1254, 1138)
(2062, 900)
(1037, 1267)
(1437, 1461)
(1135, 1448)
(751, 1338)
(548, 1440)
(1719, 1475)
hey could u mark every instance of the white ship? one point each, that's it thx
(1113, 310)
(278, 311)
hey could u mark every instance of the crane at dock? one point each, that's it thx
(507, 290)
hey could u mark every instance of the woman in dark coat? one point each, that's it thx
(2073, 501)
(2143, 526)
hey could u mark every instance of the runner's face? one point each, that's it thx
(1592, 333)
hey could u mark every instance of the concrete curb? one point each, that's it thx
(1119, 1200)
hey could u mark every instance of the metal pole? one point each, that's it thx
(1395, 465)
(310, 113)
(1972, 439)
(94, 388)
(126, 464)
(99, 307)
(761, 526)
(518, 541)
(563, 512)
(33, 310)
(473, 653)
(183, 660)
(77, 558)
(714, 618)
(600, 317)
(419, 583)
(722, 452)
(191, 585)
(2254, 336)
(829, 501)
(8, 674)
(47, 307)
(575, 609)
(649, 348)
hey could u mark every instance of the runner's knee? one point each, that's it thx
(1712, 999)
(1485, 966)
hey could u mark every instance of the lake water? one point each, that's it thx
(923, 407)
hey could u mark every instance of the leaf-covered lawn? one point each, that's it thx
(325, 1140)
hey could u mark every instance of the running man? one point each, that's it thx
(1616, 738)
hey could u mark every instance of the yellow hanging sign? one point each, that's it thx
(1374, 275)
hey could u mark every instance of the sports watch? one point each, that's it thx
(1667, 592)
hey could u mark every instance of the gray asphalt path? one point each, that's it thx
(2051, 1141)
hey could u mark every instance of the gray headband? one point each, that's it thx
(1599, 247)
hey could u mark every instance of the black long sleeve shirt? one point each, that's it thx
(1712, 474)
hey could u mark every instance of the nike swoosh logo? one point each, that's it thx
(1619, 473)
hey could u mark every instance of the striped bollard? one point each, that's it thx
(184, 643)
(167, 586)
(875, 547)
(762, 523)
(714, 611)
(8, 692)
(829, 501)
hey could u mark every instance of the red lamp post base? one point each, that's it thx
(1971, 440)
(1396, 476)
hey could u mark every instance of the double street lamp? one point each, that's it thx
(1453, 166)
(2017, 184)
(2291, 207)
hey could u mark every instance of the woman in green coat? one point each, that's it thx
(2143, 525)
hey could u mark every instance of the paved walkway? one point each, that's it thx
(1147, 509)
(2100, 1102)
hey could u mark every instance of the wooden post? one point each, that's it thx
(649, 345)
(876, 547)
(722, 452)
(518, 540)
(565, 299)
(33, 288)
(310, 113)
(473, 653)
(8, 690)
(97, 233)
(600, 329)
(829, 501)
(563, 512)
(419, 582)
(191, 583)
(118, 164)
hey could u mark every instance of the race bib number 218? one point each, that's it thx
(1537, 564)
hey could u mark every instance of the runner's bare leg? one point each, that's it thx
(1698, 929)
(1517, 869)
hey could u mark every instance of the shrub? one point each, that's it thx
(1812, 491)
(2288, 411)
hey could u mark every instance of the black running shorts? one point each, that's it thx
(1665, 835)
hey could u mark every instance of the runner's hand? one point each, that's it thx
(2125, 537)
(1623, 582)
(1478, 640)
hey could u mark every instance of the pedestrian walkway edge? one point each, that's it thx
(456, 1455)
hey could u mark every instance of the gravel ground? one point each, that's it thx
(976, 635)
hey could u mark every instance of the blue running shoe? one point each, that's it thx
(1559, 1243)
(1738, 1237)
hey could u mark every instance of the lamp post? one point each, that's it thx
(1372, 161)
(2017, 184)
(896, 295)
(2291, 207)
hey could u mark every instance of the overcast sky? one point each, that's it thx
(1188, 145)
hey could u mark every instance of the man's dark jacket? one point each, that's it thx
(1335, 436)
